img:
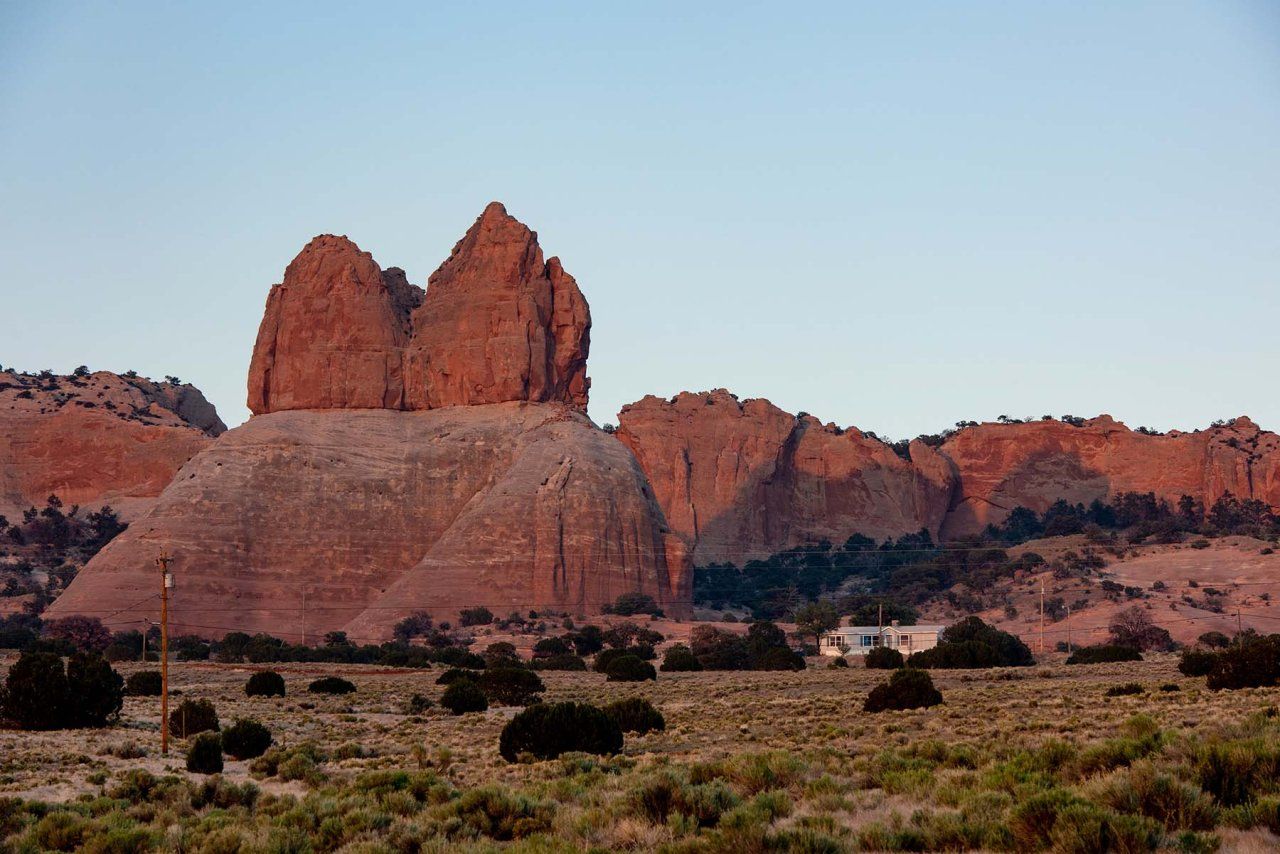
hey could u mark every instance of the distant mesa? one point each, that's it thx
(743, 479)
(96, 438)
(409, 450)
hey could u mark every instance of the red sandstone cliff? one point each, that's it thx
(409, 451)
(96, 439)
(745, 479)
(1002, 466)
(742, 479)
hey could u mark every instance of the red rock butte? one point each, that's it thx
(409, 450)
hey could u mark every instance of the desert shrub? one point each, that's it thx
(838, 662)
(1104, 654)
(568, 661)
(1134, 627)
(475, 616)
(265, 683)
(666, 794)
(144, 683)
(546, 731)
(971, 643)
(633, 603)
(511, 686)
(193, 716)
(1195, 662)
(496, 813)
(680, 658)
(204, 756)
(40, 693)
(464, 696)
(84, 633)
(1249, 663)
(453, 674)
(1125, 690)
(717, 649)
(907, 688)
(246, 739)
(778, 658)
(636, 714)
(884, 658)
(1214, 640)
(551, 646)
(1141, 790)
(331, 685)
(628, 668)
(417, 705)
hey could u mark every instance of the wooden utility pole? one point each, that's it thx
(1239, 626)
(1069, 649)
(1042, 616)
(166, 582)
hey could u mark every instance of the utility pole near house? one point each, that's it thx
(304, 616)
(1042, 616)
(166, 583)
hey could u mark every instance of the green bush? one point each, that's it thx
(1196, 662)
(628, 668)
(679, 659)
(511, 686)
(884, 658)
(1249, 663)
(464, 696)
(265, 683)
(331, 685)
(40, 693)
(567, 661)
(546, 731)
(417, 705)
(144, 683)
(1104, 654)
(193, 716)
(453, 674)
(907, 688)
(971, 643)
(635, 714)
(605, 657)
(205, 754)
(839, 662)
(1125, 690)
(246, 739)
(778, 658)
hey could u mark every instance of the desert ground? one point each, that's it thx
(749, 761)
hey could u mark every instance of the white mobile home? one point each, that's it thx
(859, 640)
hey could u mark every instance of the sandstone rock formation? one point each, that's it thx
(96, 438)
(743, 479)
(497, 323)
(1002, 466)
(409, 451)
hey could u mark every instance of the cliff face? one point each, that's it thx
(497, 323)
(1002, 466)
(96, 439)
(409, 451)
(745, 479)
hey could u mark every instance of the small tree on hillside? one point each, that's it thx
(1133, 627)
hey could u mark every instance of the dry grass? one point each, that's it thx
(765, 761)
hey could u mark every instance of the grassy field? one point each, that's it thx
(1034, 758)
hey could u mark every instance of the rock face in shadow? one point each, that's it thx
(497, 323)
(97, 439)
(357, 518)
(743, 479)
(1002, 466)
(409, 451)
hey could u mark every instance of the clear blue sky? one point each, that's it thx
(889, 215)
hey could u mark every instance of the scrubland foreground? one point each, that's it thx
(1049, 757)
